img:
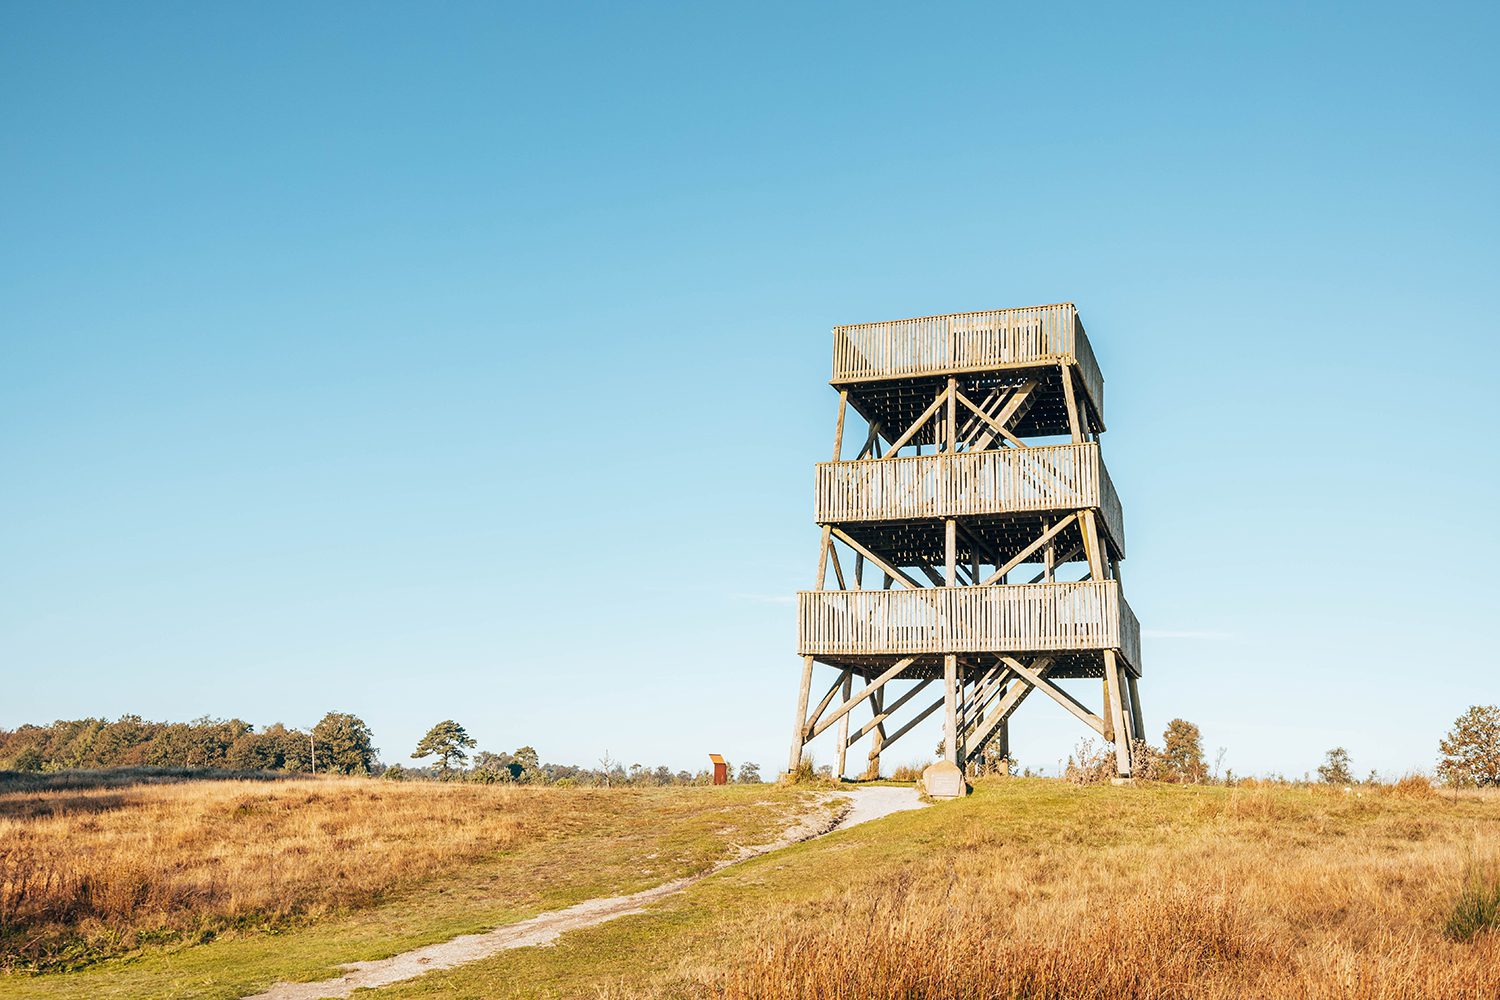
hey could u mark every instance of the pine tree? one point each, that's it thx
(448, 742)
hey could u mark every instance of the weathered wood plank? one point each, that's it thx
(978, 341)
(1041, 617)
(1047, 478)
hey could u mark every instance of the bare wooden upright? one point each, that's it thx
(975, 539)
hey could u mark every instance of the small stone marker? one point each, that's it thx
(943, 780)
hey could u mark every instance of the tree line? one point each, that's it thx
(1469, 757)
(341, 743)
(448, 743)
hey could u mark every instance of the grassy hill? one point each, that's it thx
(1029, 888)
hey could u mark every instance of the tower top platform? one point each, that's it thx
(1000, 341)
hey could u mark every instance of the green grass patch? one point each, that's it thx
(1477, 908)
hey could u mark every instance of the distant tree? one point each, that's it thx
(1471, 750)
(120, 743)
(490, 768)
(1182, 753)
(749, 773)
(1335, 769)
(607, 768)
(343, 744)
(291, 747)
(29, 759)
(255, 752)
(448, 742)
(527, 765)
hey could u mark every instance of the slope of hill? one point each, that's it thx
(1029, 888)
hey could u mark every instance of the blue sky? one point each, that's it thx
(469, 360)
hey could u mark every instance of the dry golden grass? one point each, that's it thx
(1029, 888)
(85, 873)
(1042, 889)
(1264, 892)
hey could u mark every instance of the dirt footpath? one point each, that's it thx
(864, 805)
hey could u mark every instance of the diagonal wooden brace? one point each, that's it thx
(1057, 694)
(886, 713)
(864, 693)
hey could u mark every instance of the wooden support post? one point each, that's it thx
(823, 556)
(1117, 713)
(872, 443)
(950, 552)
(838, 570)
(1135, 707)
(1105, 713)
(838, 428)
(950, 708)
(951, 445)
(1091, 548)
(1049, 558)
(1002, 742)
(1074, 426)
(843, 743)
(799, 738)
(877, 714)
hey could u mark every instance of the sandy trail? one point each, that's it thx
(863, 805)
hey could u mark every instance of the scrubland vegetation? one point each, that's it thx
(1040, 888)
(1257, 891)
(1029, 888)
(88, 873)
(1188, 884)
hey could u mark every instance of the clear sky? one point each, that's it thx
(470, 360)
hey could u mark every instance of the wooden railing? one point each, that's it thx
(1055, 477)
(1110, 509)
(1042, 617)
(976, 341)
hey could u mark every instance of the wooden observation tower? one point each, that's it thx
(975, 539)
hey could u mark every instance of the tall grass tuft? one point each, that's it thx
(1477, 908)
